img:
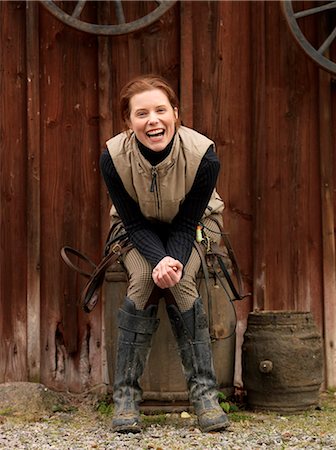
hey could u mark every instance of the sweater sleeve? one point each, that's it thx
(183, 230)
(140, 231)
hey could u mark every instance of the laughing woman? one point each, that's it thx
(161, 177)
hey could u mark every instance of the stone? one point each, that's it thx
(29, 400)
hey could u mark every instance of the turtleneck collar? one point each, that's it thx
(152, 157)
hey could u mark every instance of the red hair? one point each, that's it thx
(141, 84)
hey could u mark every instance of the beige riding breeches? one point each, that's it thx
(139, 271)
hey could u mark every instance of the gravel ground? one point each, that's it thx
(80, 424)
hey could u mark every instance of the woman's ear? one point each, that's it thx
(176, 112)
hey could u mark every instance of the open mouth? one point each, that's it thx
(155, 133)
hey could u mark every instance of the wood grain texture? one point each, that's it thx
(13, 197)
(286, 199)
(244, 82)
(33, 193)
(71, 341)
(327, 167)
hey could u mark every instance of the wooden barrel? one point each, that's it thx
(282, 361)
(163, 381)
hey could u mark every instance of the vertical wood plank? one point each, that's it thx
(106, 108)
(327, 167)
(258, 142)
(70, 205)
(33, 192)
(286, 237)
(186, 63)
(13, 200)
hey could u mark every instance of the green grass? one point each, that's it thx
(239, 417)
(6, 412)
(105, 408)
(157, 419)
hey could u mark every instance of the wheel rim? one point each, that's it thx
(122, 27)
(320, 54)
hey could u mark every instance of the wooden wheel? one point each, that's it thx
(74, 20)
(321, 49)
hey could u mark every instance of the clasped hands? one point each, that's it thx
(167, 273)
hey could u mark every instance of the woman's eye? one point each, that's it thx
(141, 113)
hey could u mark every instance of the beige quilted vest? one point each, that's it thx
(161, 189)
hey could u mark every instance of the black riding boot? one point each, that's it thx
(192, 334)
(136, 328)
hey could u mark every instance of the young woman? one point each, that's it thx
(161, 177)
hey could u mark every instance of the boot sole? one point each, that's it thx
(127, 429)
(217, 427)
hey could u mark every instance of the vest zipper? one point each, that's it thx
(154, 186)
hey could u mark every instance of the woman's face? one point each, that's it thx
(152, 118)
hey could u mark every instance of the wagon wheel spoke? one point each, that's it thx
(119, 11)
(121, 27)
(315, 10)
(78, 9)
(322, 53)
(327, 43)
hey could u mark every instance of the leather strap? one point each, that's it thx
(207, 282)
(64, 254)
(238, 293)
(113, 250)
(209, 257)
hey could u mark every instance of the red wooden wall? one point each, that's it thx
(242, 81)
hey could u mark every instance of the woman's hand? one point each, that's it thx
(167, 272)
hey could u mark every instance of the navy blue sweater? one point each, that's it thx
(155, 240)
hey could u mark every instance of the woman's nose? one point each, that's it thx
(153, 117)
